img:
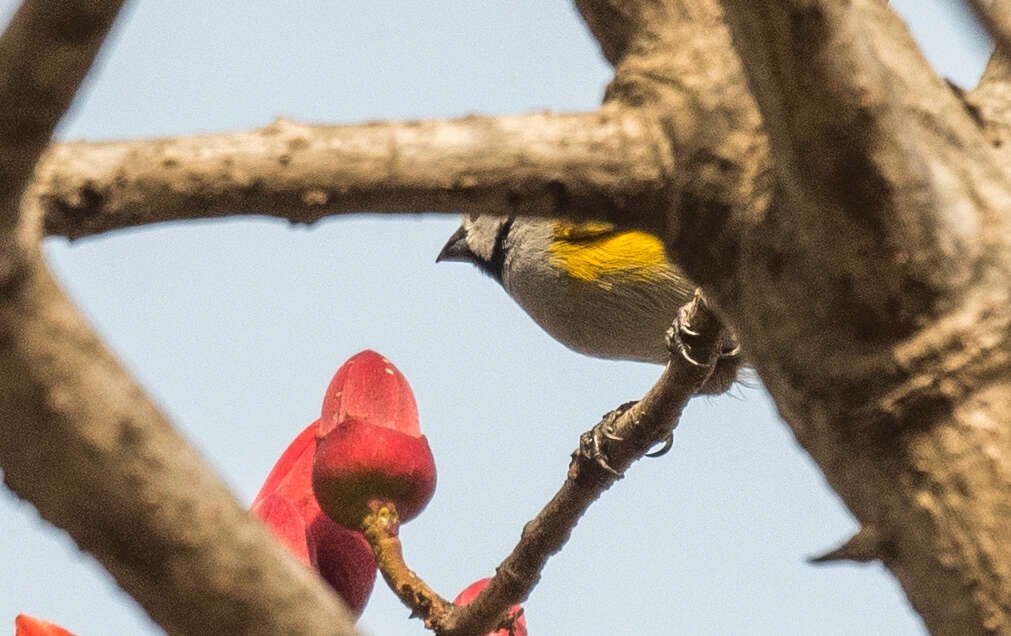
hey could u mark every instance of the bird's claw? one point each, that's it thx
(668, 443)
(591, 443)
(683, 350)
(591, 447)
(686, 330)
(732, 352)
(609, 434)
(679, 331)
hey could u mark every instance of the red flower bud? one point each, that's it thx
(369, 388)
(358, 463)
(369, 445)
(471, 592)
(25, 625)
(341, 556)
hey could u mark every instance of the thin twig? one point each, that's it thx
(381, 529)
(631, 434)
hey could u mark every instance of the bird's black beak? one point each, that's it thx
(456, 248)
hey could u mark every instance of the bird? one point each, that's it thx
(599, 290)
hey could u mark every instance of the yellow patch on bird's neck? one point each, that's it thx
(590, 251)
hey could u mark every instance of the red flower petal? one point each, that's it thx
(287, 524)
(368, 387)
(25, 625)
(287, 504)
(289, 463)
(344, 560)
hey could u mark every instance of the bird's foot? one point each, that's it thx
(680, 335)
(592, 442)
(681, 340)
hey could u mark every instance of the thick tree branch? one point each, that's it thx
(991, 102)
(595, 164)
(991, 99)
(45, 52)
(78, 438)
(863, 168)
(996, 15)
(865, 263)
(634, 28)
(888, 226)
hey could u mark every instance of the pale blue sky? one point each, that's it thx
(235, 327)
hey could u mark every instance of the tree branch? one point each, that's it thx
(594, 164)
(631, 432)
(865, 260)
(79, 439)
(45, 52)
(634, 28)
(864, 256)
(991, 99)
(997, 18)
(888, 206)
(850, 144)
(605, 452)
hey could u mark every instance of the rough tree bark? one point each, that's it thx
(911, 417)
(847, 211)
